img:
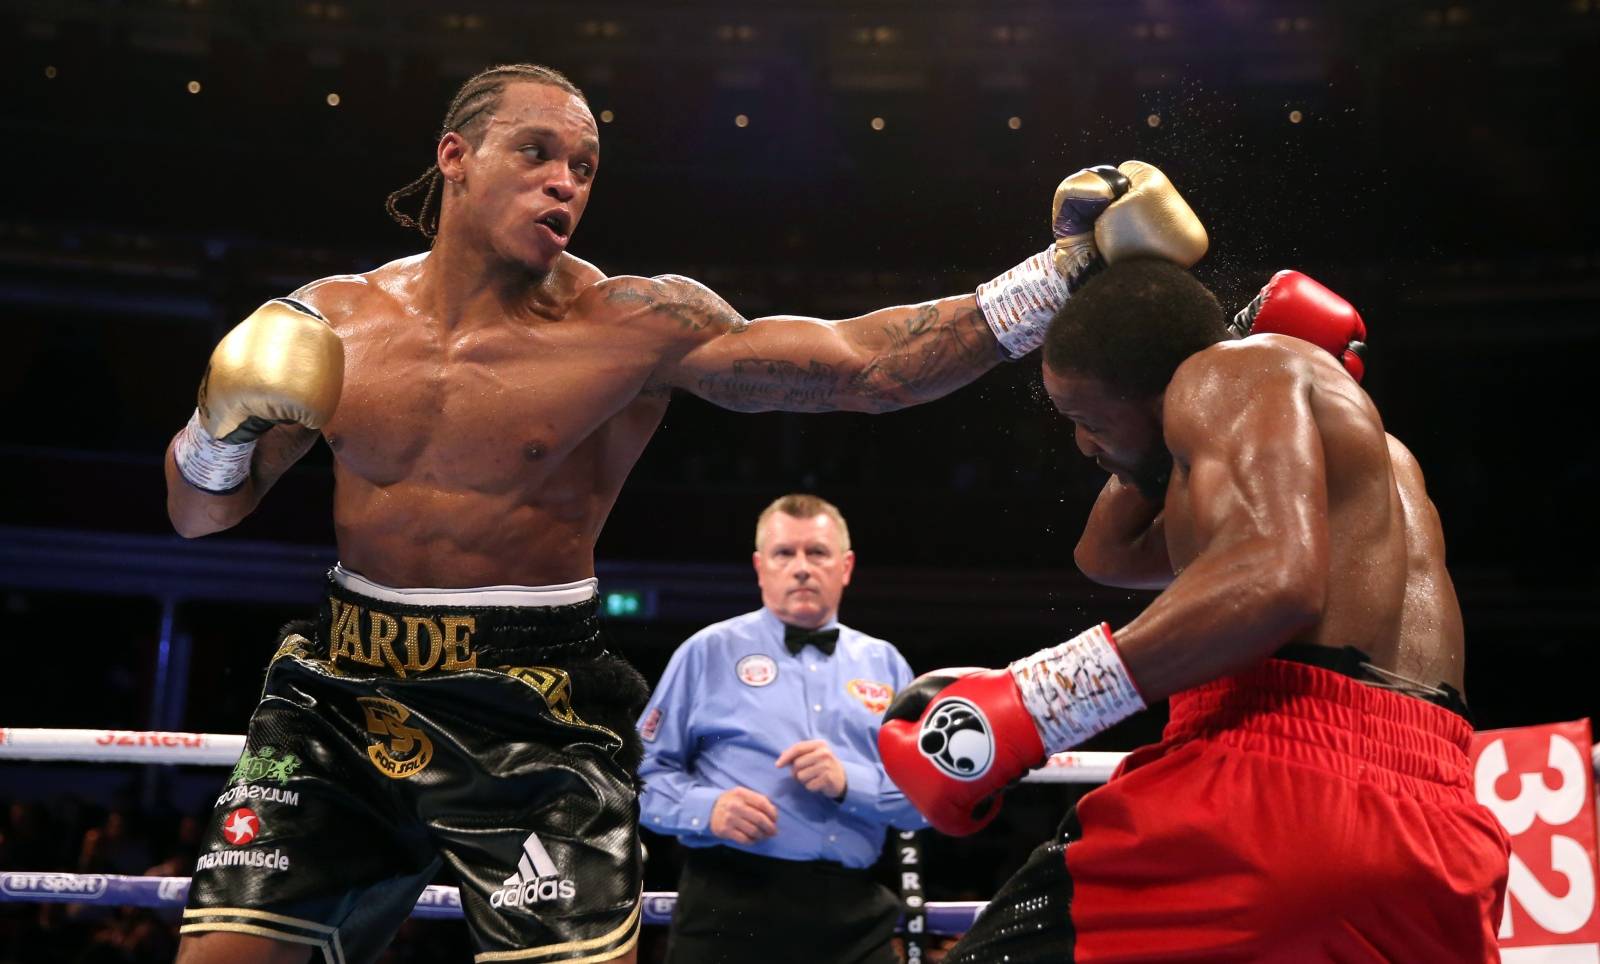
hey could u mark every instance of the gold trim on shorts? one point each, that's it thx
(629, 927)
(322, 936)
(554, 686)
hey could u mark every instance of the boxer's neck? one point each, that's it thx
(460, 281)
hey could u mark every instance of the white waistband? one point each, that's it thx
(564, 594)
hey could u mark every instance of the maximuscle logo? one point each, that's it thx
(536, 880)
(274, 861)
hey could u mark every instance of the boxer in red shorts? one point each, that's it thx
(1310, 799)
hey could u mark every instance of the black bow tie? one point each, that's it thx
(796, 639)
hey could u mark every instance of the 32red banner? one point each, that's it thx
(1539, 783)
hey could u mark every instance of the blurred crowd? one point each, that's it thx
(69, 834)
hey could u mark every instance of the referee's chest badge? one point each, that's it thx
(757, 669)
(874, 696)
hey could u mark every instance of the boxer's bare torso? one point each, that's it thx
(482, 450)
(497, 390)
(1290, 517)
(482, 440)
(1387, 591)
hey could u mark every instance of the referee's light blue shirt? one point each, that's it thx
(733, 698)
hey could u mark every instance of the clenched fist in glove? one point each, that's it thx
(1100, 214)
(1294, 304)
(955, 739)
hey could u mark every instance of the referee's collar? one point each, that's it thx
(776, 629)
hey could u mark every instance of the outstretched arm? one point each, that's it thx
(888, 359)
(901, 356)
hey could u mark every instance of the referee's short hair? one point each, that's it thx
(801, 505)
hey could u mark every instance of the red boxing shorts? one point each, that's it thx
(1288, 814)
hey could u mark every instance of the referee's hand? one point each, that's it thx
(743, 816)
(817, 769)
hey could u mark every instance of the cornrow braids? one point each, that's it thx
(474, 102)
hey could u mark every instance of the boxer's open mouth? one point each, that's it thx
(558, 222)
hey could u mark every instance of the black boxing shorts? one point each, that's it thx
(1289, 814)
(404, 731)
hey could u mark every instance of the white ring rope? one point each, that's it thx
(223, 749)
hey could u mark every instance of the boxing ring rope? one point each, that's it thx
(223, 749)
(436, 902)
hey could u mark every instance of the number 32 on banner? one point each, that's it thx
(1541, 811)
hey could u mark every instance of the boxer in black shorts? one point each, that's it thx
(401, 732)
(484, 401)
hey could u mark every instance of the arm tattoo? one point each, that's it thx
(686, 302)
(768, 384)
(922, 320)
(878, 362)
(935, 351)
(627, 296)
(896, 358)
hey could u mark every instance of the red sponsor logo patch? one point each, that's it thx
(874, 696)
(241, 827)
(650, 726)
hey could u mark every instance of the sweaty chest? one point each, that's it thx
(473, 416)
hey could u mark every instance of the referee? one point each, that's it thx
(761, 758)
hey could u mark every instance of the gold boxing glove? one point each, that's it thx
(281, 364)
(1151, 220)
(1099, 215)
(1080, 200)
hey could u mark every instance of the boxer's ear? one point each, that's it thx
(451, 156)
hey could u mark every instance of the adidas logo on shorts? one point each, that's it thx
(535, 881)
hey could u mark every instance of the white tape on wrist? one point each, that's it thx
(1019, 304)
(210, 465)
(1076, 689)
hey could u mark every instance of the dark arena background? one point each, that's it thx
(176, 162)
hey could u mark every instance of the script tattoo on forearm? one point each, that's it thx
(935, 351)
(882, 361)
(768, 384)
(917, 355)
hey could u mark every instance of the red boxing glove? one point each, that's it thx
(1293, 304)
(954, 740)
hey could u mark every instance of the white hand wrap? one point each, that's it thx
(1076, 689)
(210, 465)
(1019, 304)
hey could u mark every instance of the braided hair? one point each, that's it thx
(474, 103)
